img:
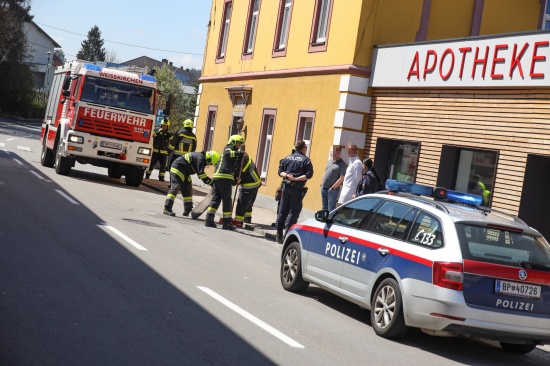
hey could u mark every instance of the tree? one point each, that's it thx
(183, 105)
(111, 56)
(92, 48)
(196, 73)
(17, 91)
(59, 55)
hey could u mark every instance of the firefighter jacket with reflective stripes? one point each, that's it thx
(189, 164)
(249, 175)
(228, 166)
(184, 142)
(161, 140)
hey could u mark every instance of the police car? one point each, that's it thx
(440, 263)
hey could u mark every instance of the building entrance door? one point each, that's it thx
(535, 197)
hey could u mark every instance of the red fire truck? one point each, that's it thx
(99, 116)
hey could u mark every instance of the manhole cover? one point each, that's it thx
(145, 223)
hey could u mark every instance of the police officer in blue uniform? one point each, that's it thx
(295, 170)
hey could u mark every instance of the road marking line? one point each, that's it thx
(17, 161)
(268, 328)
(2, 144)
(13, 138)
(37, 175)
(24, 148)
(130, 241)
(67, 197)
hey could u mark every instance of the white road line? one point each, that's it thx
(268, 328)
(37, 175)
(13, 138)
(24, 148)
(2, 144)
(17, 161)
(67, 197)
(130, 241)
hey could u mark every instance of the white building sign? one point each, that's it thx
(518, 60)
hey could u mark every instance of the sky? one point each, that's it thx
(163, 29)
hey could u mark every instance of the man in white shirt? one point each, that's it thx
(353, 175)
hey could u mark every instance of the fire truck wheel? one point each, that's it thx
(46, 158)
(62, 165)
(114, 172)
(134, 176)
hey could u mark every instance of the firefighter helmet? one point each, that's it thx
(165, 121)
(234, 139)
(188, 123)
(212, 157)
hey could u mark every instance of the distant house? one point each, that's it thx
(144, 64)
(41, 47)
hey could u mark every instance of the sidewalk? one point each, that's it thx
(261, 218)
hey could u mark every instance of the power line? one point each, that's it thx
(125, 44)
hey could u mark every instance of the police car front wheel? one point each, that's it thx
(387, 310)
(291, 269)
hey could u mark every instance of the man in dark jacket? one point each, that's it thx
(161, 140)
(295, 169)
(224, 179)
(184, 141)
(180, 178)
(370, 181)
(250, 183)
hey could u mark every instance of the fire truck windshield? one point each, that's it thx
(114, 93)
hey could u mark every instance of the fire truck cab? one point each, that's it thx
(99, 116)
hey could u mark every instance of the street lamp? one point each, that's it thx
(47, 71)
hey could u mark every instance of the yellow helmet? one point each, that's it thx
(187, 123)
(165, 121)
(234, 139)
(212, 157)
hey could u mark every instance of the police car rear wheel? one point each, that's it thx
(387, 310)
(291, 269)
(517, 348)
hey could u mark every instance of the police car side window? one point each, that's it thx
(388, 219)
(426, 231)
(353, 214)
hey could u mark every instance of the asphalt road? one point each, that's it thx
(92, 273)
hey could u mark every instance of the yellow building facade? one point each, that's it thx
(278, 71)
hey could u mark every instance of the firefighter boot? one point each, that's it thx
(247, 219)
(227, 224)
(210, 220)
(161, 178)
(187, 208)
(147, 175)
(168, 212)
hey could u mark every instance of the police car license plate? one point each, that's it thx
(517, 289)
(111, 145)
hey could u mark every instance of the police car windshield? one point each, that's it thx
(115, 93)
(501, 246)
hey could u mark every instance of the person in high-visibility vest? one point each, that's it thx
(184, 141)
(161, 140)
(250, 183)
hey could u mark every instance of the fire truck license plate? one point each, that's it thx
(111, 145)
(517, 289)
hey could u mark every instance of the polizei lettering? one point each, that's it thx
(515, 305)
(115, 117)
(343, 253)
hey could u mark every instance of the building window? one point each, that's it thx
(209, 129)
(283, 27)
(304, 131)
(224, 31)
(266, 142)
(320, 26)
(251, 27)
(468, 170)
(546, 17)
(396, 159)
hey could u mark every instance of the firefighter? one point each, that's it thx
(180, 178)
(224, 178)
(250, 183)
(161, 140)
(184, 141)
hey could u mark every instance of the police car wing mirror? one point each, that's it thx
(322, 216)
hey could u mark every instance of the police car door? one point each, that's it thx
(377, 239)
(339, 242)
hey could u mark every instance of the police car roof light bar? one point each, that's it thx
(417, 189)
(464, 198)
